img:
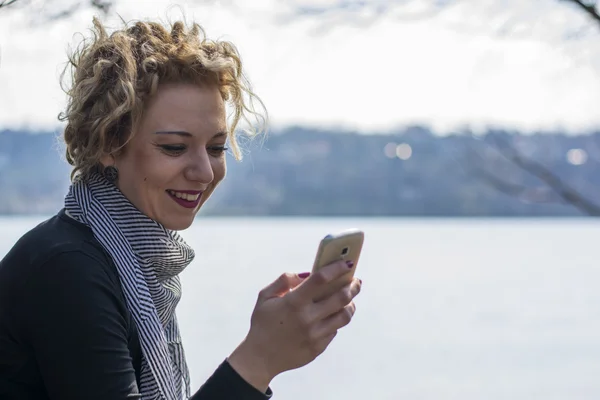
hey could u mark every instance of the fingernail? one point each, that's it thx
(360, 280)
(304, 275)
(350, 264)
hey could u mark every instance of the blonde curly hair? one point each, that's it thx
(112, 76)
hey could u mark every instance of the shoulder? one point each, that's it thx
(59, 252)
(71, 286)
(64, 322)
(51, 238)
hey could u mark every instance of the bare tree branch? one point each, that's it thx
(65, 10)
(590, 9)
(5, 3)
(523, 192)
(551, 180)
(486, 160)
(544, 174)
(101, 5)
(567, 193)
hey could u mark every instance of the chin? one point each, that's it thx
(178, 224)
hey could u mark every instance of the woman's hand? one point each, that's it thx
(288, 328)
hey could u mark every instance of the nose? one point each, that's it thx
(200, 168)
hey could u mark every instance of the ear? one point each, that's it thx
(107, 159)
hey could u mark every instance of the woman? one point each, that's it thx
(88, 297)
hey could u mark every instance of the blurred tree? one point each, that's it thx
(490, 159)
(506, 150)
(61, 9)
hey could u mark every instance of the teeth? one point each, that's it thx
(185, 196)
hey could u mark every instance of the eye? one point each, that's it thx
(173, 149)
(217, 151)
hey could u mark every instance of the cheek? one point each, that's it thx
(150, 170)
(220, 169)
(150, 178)
(223, 167)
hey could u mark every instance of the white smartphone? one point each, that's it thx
(346, 245)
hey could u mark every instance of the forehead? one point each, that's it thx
(199, 110)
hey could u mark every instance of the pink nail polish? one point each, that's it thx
(304, 275)
(350, 263)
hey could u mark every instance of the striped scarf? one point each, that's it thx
(148, 258)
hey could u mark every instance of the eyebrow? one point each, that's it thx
(187, 134)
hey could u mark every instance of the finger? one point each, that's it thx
(280, 286)
(335, 321)
(337, 301)
(315, 283)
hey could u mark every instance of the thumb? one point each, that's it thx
(281, 286)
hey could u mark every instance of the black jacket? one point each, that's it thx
(65, 330)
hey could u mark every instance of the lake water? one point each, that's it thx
(450, 309)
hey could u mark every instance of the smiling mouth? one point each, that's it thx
(186, 199)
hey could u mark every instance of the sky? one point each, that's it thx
(370, 66)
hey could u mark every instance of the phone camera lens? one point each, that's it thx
(345, 251)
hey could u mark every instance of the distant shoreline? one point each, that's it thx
(309, 173)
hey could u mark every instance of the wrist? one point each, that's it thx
(251, 366)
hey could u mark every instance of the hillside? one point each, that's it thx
(307, 172)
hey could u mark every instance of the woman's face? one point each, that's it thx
(177, 155)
